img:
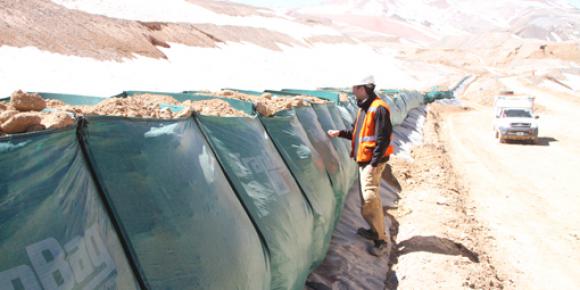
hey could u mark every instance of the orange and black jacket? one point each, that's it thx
(379, 150)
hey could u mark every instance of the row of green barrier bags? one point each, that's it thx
(196, 203)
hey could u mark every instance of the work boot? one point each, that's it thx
(367, 234)
(380, 249)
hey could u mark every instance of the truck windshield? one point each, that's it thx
(517, 114)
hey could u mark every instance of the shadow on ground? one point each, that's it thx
(431, 244)
(542, 141)
(435, 245)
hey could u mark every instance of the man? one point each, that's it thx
(371, 138)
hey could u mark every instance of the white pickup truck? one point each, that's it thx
(515, 119)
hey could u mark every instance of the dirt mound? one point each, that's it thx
(66, 31)
(138, 106)
(213, 107)
(569, 51)
(26, 113)
(21, 122)
(57, 120)
(271, 106)
(268, 105)
(30, 112)
(151, 106)
(14, 122)
(483, 90)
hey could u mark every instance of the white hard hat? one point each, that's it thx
(369, 80)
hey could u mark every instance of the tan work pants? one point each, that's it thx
(372, 206)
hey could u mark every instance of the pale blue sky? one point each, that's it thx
(302, 3)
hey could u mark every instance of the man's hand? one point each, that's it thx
(333, 133)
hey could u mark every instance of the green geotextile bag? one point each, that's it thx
(307, 167)
(323, 144)
(325, 95)
(347, 164)
(340, 122)
(184, 222)
(395, 112)
(55, 232)
(266, 187)
(346, 107)
(350, 165)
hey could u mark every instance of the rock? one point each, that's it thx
(27, 102)
(268, 107)
(54, 103)
(214, 107)
(7, 115)
(19, 123)
(35, 128)
(165, 114)
(227, 93)
(57, 120)
(264, 109)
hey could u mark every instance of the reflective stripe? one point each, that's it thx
(367, 133)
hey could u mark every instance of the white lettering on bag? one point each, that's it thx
(84, 262)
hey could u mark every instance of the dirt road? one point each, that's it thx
(479, 214)
(441, 244)
(528, 196)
